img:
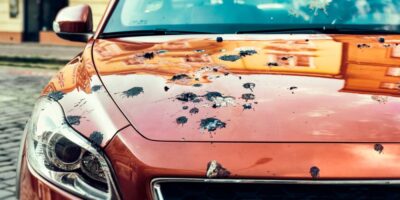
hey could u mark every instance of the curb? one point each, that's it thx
(32, 62)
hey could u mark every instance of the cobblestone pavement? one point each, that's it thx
(19, 89)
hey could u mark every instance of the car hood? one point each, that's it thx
(255, 88)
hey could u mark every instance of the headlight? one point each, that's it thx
(65, 158)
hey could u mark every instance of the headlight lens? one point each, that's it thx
(65, 158)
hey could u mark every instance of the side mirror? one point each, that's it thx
(74, 23)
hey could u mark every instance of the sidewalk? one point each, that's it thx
(31, 54)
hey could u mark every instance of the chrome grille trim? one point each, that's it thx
(157, 191)
(157, 195)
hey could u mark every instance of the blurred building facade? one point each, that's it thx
(31, 20)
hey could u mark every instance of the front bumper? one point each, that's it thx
(138, 162)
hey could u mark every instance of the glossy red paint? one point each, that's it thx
(137, 161)
(85, 96)
(319, 100)
(330, 114)
(74, 19)
(309, 96)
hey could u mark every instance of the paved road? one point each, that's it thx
(18, 90)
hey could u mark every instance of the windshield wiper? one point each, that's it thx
(323, 29)
(151, 32)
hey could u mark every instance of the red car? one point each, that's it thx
(221, 99)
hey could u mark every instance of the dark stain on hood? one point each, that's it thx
(211, 124)
(333, 77)
(187, 96)
(135, 91)
(74, 120)
(314, 172)
(56, 95)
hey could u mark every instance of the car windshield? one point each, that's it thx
(235, 16)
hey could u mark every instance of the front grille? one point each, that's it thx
(248, 191)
